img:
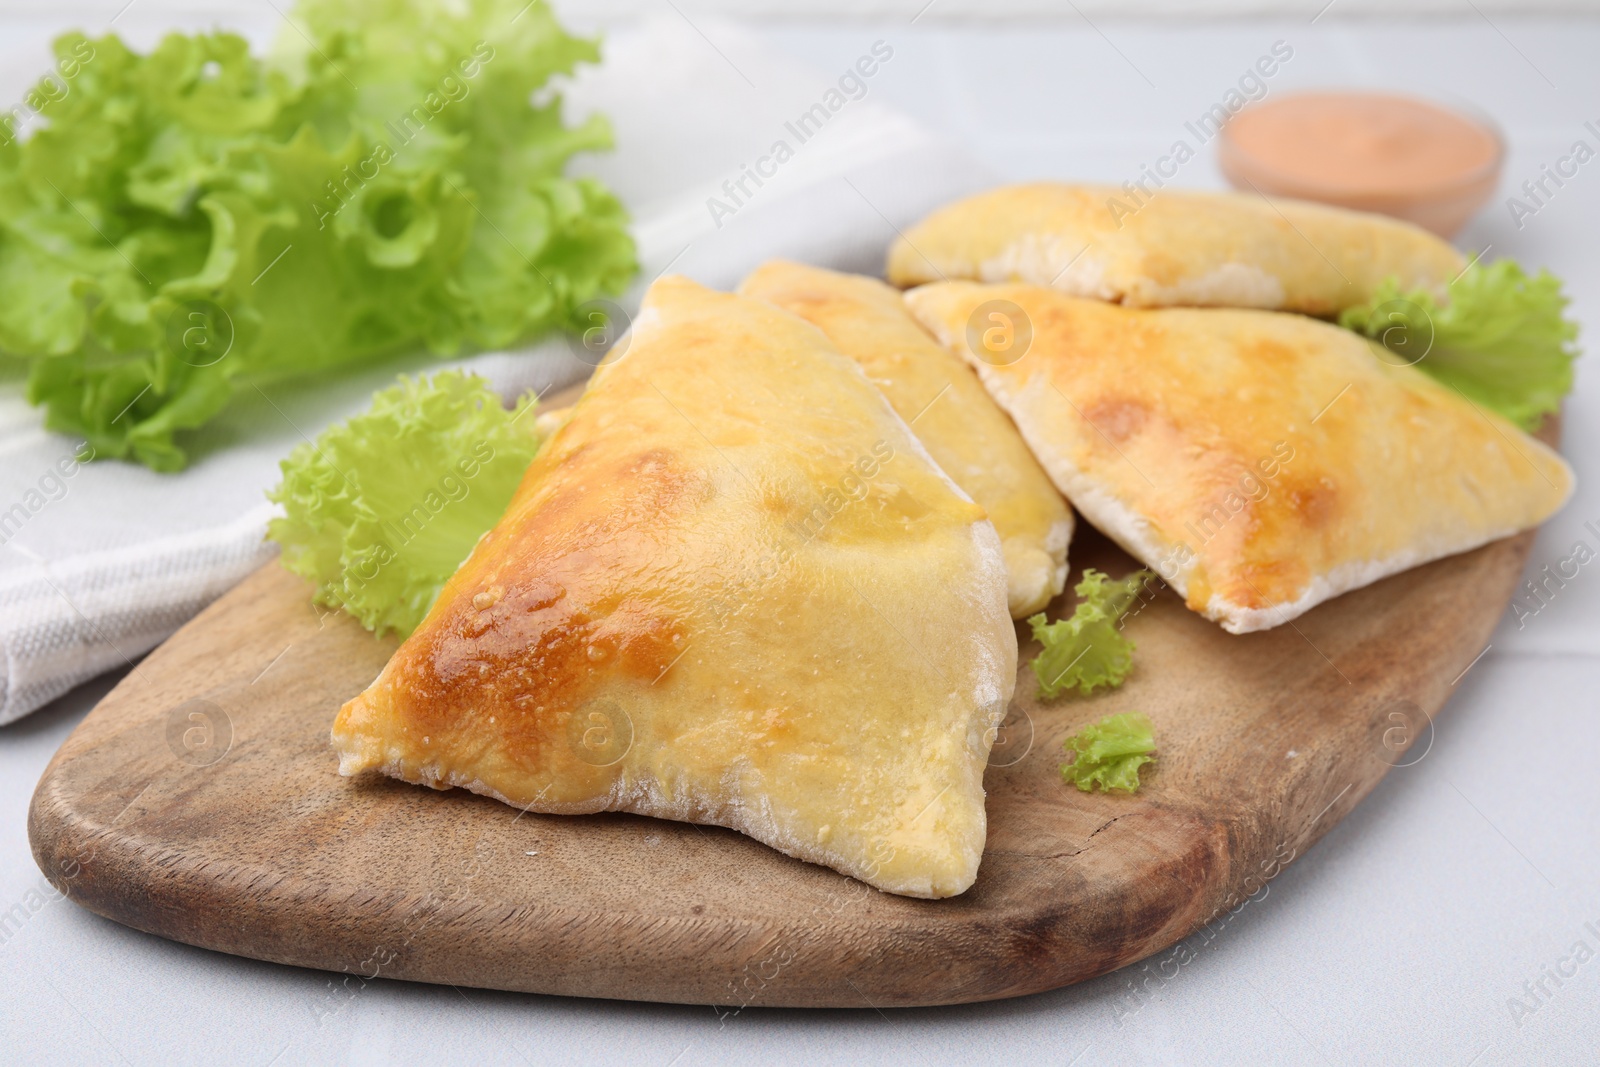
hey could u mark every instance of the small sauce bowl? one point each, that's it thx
(1395, 155)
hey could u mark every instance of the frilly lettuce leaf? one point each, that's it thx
(187, 223)
(1109, 753)
(1501, 339)
(1088, 651)
(384, 507)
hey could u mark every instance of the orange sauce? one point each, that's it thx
(1370, 151)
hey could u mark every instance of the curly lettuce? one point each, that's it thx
(1501, 339)
(1108, 754)
(191, 222)
(1088, 651)
(381, 509)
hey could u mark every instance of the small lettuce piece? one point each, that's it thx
(1502, 339)
(381, 509)
(1109, 753)
(1088, 650)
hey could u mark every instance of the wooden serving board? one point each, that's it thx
(201, 801)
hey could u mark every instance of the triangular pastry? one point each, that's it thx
(1260, 462)
(734, 589)
(1174, 248)
(943, 402)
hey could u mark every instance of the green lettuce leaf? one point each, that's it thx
(1109, 753)
(196, 221)
(381, 509)
(1088, 651)
(1501, 340)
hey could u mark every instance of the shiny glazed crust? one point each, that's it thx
(732, 589)
(1261, 462)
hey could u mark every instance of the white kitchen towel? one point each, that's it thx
(727, 154)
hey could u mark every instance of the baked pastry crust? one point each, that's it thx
(1260, 462)
(1181, 248)
(948, 409)
(734, 589)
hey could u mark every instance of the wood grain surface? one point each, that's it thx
(201, 801)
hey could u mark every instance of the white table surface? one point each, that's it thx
(1400, 938)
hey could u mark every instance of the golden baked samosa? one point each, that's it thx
(1260, 462)
(947, 408)
(734, 589)
(1177, 248)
